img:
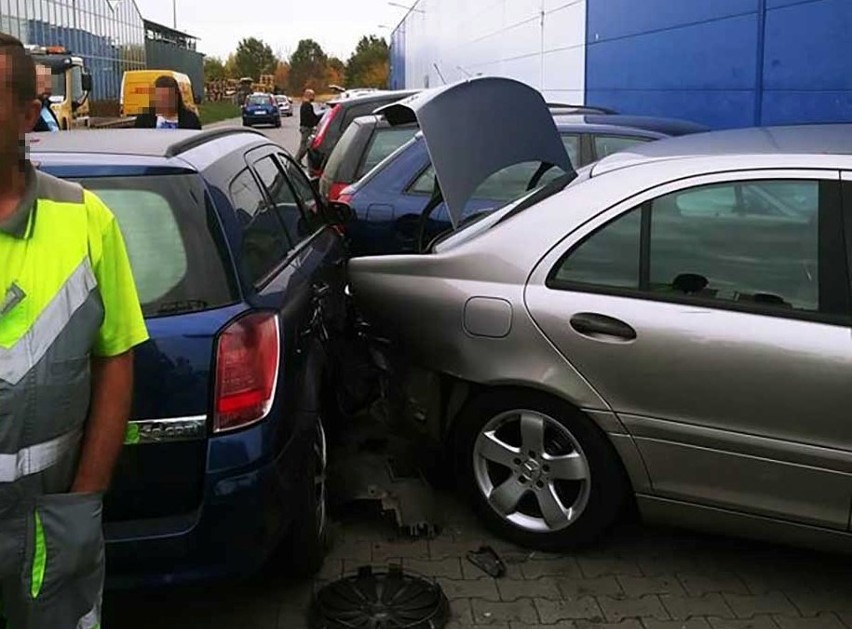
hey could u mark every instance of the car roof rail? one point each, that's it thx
(204, 137)
(582, 109)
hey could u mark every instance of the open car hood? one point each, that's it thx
(478, 127)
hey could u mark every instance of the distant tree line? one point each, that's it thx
(307, 67)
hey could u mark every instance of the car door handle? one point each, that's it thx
(602, 328)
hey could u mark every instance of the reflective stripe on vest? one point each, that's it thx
(37, 458)
(19, 359)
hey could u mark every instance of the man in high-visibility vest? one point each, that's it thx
(69, 319)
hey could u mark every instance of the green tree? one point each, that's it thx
(214, 69)
(308, 66)
(368, 65)
(254, 57)
(335, 72)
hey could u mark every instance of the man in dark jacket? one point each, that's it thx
(47, 119)
(308, 120)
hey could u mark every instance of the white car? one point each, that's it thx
(285, 105)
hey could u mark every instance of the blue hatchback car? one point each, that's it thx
(261, 109)
(389, 200)
(239, 271)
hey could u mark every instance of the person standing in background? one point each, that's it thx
(308, 120)
(168, 110)
(44, 85)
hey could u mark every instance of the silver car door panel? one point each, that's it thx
(783, 380)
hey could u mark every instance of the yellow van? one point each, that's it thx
(137, 85)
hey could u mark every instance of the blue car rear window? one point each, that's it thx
(173, 240)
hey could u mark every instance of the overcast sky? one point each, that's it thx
(336, 24)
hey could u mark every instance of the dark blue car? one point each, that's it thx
(389, 200)
(239, 271)
(261, 109)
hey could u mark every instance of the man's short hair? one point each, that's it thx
(22, 72)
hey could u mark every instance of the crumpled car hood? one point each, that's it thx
(478, 127)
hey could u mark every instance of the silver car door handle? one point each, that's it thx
(600, 327)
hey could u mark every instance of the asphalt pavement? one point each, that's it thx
(287, 136)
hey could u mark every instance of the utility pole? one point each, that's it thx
(174, 14)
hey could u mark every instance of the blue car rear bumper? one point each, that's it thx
(244, 516)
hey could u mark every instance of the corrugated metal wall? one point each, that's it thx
(727, 63)
(163, 56)
(541, 42)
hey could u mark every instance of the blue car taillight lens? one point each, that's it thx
(248, 357)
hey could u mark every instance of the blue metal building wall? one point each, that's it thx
(727, 63)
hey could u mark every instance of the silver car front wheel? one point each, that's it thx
(539, 472)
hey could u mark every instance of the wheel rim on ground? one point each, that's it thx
(532, 471)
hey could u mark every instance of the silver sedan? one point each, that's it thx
(670, 327)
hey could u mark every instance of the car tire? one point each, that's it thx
(578, 465)
(246, 124)
(306, 544)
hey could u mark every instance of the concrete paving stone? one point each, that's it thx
(685, 607)
(813, 603)
(584, 608)
(351, 549)
(667, 564)
(563, 624)
(701, 583)
(640, 586)
(642, 607)
(692, 623)
(410, 549)
(448, 568)
(565, 567)
(772, 603)
(461, 612)
(474, 588)
(632, 623)
(444, 547)
(469, 571)
(758, 622)
(823, 621)
(488, 612)
(607, 565)
(513, 589)
(351, 566)
(600, 586)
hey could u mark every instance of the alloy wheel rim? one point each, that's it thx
(532, 471)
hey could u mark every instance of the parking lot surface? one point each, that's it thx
(640, 577)
(287, 136)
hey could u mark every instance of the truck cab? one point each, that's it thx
(72, 85)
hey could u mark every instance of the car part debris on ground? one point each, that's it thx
(487, 560)
(387, 599)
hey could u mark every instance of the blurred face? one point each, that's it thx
(165, 99)
(16, 120)
(309, 95)
(44, 81)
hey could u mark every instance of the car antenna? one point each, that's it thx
(438, 70)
